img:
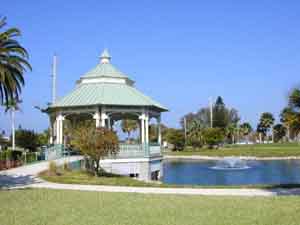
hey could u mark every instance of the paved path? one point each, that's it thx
(26, 177)
(181, 191)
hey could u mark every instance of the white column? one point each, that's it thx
(142, 118)
(109, 123)
(51, 139)
(103, 117)
(59, 129)
(51, 131)
(147, 128)
(159, 130)
(97, 117)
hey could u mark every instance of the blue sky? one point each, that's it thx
(178, 52)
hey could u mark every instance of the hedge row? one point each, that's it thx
(9, 155)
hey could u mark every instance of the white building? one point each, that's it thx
(106, 95)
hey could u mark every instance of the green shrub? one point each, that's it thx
(53, 169)
(96, 143)
(213, 136)
(29, 157)
(176, 138)
(10, 155)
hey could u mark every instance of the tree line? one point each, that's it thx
(225, 126)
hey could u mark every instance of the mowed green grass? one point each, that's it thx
(257, 150)
(82, 177)
(54, 207)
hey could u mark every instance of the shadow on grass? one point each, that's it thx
(14, 181)
(283, 186)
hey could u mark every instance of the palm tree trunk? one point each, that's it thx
(96, 169)
(260, 137)
(288, 134)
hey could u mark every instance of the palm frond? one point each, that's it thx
(13, 64)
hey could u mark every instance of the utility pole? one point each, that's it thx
(211, 111)
(54, 74)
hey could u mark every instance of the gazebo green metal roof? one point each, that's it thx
(117, 93)
(106, 94)
(104, 70)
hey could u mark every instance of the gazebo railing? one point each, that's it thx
(54, 152)
(154, 149)
(130, 151)
(126, 151)
(137, 151)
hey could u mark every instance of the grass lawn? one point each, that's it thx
(81, 177)
(55, 207)
(257, 150)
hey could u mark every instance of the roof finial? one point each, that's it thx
(105, 57)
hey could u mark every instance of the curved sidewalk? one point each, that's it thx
(173, 191)
(26, 175)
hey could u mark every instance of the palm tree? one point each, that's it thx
(231, 131)
(194, 133)
(266, 122)
(294, 104)
(129, 126)
(279, 132)
(246, 129)
(13, 63)
(291, 121)
(12, 106)
(294, 98)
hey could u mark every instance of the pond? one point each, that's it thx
(204, 172)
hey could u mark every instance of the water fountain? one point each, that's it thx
(231, 163)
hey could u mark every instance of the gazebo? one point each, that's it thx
(107, 95)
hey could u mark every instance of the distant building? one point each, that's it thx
(4, 141)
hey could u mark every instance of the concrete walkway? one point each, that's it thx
(26, 177)
(181, 191)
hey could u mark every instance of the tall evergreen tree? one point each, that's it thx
(220, 114)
